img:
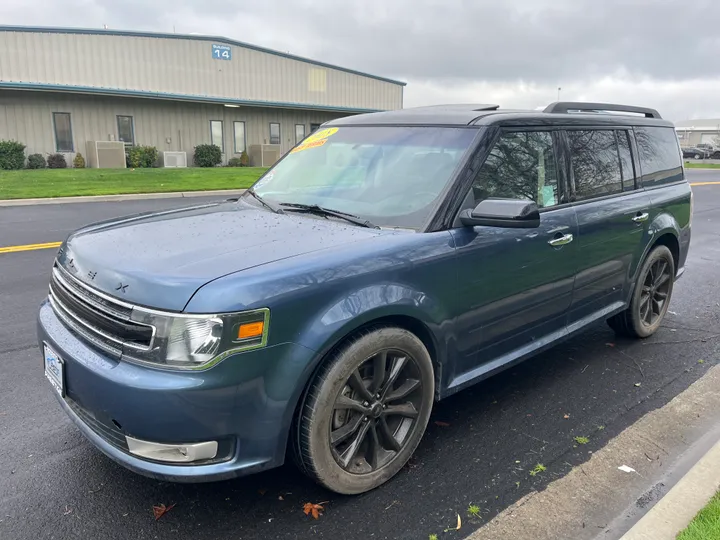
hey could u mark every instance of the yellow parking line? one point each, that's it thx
(704, 183)
(29, 247)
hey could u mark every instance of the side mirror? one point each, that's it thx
(511, 213)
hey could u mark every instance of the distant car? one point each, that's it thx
(385, 263)
(712, 152)
(694, 152)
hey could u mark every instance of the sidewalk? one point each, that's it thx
(125, 197)
(677, 509)
(647, 483)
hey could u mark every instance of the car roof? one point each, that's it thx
(567, 113)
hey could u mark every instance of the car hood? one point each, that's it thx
(159, 260)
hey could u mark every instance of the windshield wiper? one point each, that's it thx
(266, 204)
(315, 209)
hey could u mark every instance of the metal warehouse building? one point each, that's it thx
(78, 90)
(692, 132)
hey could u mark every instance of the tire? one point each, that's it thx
(324, 448)
(636, 321)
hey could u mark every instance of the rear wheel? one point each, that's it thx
(366, 411)
(651, 297)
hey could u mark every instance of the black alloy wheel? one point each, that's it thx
(655, 292)
(376, 412)
(366, 411)
(651, 296)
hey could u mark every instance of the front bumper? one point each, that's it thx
(245, 403)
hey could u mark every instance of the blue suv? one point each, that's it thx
(386, 262)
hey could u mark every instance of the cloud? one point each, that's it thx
(656, 53)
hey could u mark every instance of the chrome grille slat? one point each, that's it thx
(99, 320)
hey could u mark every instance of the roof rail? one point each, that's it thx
(560, 107)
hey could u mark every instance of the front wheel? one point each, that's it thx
(366, 411)
(651, 297)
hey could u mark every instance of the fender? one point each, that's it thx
(664, 223)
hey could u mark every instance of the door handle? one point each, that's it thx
(561, 241)
(641, 217)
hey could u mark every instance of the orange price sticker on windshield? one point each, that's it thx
(306, 145)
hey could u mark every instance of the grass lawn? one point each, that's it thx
(28, 184)
(706, 525)
(695, 165)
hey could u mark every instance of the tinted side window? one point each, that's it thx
(659, 155)
(521, 165)
(595, 164)
(628, 169)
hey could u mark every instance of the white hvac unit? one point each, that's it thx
(106, 154)
(174, 160)
(264, 155)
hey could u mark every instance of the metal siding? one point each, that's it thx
(27, 117)
(181, 66)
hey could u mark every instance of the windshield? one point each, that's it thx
(391, 176)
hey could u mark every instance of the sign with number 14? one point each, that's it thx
(221, 52)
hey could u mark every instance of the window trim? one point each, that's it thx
(571, 172)
(235, 149)
(132, 127)
(270, 137)
(304, 134)
(72, 138)
(222, 135)
(632, 159)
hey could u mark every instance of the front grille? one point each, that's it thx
(106, 430)
(102, 322)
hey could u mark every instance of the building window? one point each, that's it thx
(239, 132)
(63, 132)
(216, 134)
(274, 133)
(314, 127)
(126, 133)
(299, 133)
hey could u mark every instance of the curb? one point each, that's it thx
(674, 512)
(117, 198)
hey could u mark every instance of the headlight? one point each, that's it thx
(197, 341)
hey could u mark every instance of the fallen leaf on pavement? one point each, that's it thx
(566, 416)
(314, 508)
(280, 498)
(625, 468)
(610, 344)
(441, 424)
(262, 491)
(457, 528)
(637, 384)
(160, 510)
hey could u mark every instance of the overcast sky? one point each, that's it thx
(658, 53)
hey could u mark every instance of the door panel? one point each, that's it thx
(610, 243)
(613, 218)
(514, 287)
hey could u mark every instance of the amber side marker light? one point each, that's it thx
(251, 330)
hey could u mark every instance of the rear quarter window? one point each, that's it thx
(659, 154)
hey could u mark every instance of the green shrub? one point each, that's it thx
(207, 155)
(235, 162)
(142, 157)
(244, 159)
(12, 155)
(79, 161)
(56, 161)
(36, 161)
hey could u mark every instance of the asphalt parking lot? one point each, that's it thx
(479, 448)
